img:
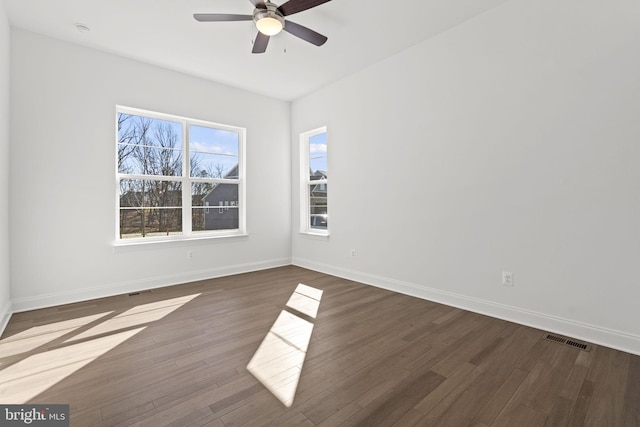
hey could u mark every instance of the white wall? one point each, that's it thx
(62, 196)
(509, 143)
(5, 302)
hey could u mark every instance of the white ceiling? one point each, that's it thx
(164, 33)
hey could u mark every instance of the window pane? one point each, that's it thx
(318, 206)
(149, 146)
(136, 193)
(213, 153)
(150, 222)
(318, 156)
(215, 207)
(150, 208)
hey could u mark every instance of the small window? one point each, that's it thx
(314, 188)
(170, 170)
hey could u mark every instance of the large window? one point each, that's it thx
(177, 177)
(314, 212)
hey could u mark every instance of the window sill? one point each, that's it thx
(175, 242)
(315, 234)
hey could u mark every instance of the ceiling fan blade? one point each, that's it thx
(259, 4)
(295, 6)
(304, 33)
(260, 45)
(221, 17)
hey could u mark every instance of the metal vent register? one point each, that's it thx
(567, 341)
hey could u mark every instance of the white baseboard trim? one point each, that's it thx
(5, 314)
(591, 333)
(78, 295)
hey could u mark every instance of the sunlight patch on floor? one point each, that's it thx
(306, 300)
(27, 378)
(278, 362)
(138, 315)
(37, 336)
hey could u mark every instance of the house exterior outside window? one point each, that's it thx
(170, 170)
(314, 212)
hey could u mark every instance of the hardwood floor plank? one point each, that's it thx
(437, 412)
(469, 348)
(631, 409)
(462, 375)
(413, 417)
(207, 422)
(501, 397)
(290, 418)
(353, 388)
(254, 412)
(190, 419)
(465, 405)
(341, 417)
(122, 418)
(236, 399)
(560, 412)
(579, 411)
(522, 416)
(399, 400)
(543, 395)
(605, 407)
(571, 387)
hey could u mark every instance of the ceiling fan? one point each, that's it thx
(269, 19)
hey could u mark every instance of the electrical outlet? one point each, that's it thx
(353, 252)
(507, 278)
(189, 254)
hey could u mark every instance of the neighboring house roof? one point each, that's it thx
(233, 173)
(318, 174)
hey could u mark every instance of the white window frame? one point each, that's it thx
(185, 179)
(306, 182)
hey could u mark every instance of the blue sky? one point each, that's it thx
(214, 147)
(318, 152)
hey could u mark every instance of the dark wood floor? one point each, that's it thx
(178, 356)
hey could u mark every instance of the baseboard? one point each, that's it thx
(78, 295)
(591, 333)
(5, 315)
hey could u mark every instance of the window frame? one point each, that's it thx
(185, 179)
(306, 183)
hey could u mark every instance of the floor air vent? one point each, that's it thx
(138, 293)
(567, 341)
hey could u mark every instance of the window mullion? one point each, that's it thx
(122, 176)
(317, 181)
(187, 227)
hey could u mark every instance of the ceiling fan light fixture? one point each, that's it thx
(268, 20)
(270, 26)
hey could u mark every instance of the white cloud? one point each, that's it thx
(317, 148)
(207, 148)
